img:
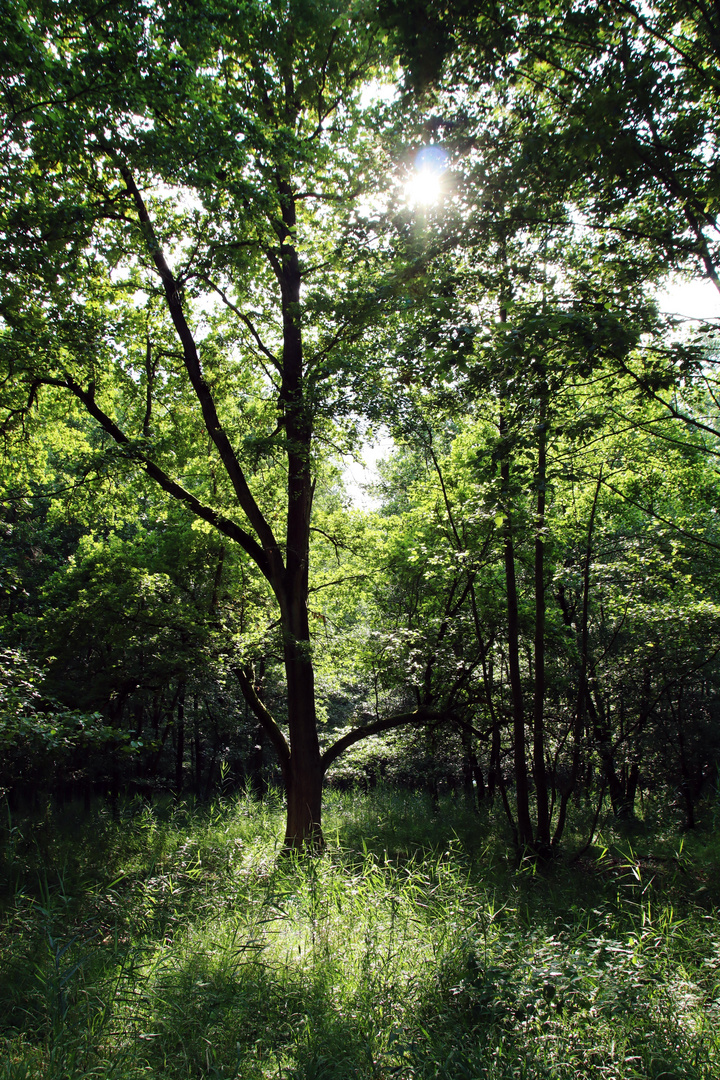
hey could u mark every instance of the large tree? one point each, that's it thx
(184, 259)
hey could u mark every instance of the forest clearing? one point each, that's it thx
(174, 942)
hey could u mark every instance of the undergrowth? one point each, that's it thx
(174, 942)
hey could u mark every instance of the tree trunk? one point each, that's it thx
(304, 772)
(197, 748)
(303, 788)
(180, 743)
(686, 784)
(473, 782)
(583, 690)
(631, 787)
(541, 790)
(612, 780)
(494, 774)
(522, 796)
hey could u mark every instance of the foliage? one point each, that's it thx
(38, 736)
(213, 283)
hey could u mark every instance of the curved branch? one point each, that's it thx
(267, 722)
(418, 716)
(224, 525)
(666, 521)
(244, 319)
(471, 729)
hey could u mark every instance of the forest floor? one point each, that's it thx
(172, 942)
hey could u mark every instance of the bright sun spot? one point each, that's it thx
(425, 185)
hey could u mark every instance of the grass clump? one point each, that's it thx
(175, 943)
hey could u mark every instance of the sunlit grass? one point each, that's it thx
(175, 943)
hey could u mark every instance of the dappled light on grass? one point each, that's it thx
(184, 946)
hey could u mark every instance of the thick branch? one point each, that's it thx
(418, 716)
(267, 722)
(224, 525)
(202, 391)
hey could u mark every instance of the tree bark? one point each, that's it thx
(303, 789)
(197, 749)
(583, 691)
(304, 774)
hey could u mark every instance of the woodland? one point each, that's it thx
(372, 765)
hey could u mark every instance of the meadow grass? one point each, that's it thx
(175, 942)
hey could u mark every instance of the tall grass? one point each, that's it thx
(173, 942)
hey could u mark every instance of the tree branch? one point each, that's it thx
(418, 716)
(273, 561)
(267, 722)
(666, 521)
(224, 525)
(244, 319)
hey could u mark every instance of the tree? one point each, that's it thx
(185, 260)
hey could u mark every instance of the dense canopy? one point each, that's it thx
(221, 279)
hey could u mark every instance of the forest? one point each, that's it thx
(314, 769)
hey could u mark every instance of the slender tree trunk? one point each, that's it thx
(539, 775)
(612, 780)
(494, 775)
(256, 756)
(631, 787)
(473, 783)
(197, 744)
(180, 743)
(432, 782)
(524, 823)
(686, 784)
(583, 690)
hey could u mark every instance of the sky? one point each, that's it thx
(698, 299)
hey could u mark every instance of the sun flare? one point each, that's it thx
(425, 185)
(423, 188)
